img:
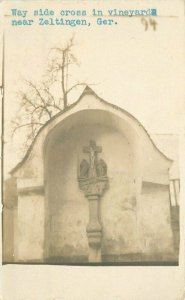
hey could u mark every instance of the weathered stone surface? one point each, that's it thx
(155, 219)
(9, 219)
(30, 228)
(53, 212)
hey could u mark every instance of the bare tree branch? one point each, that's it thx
(26, 124)
(38, 102)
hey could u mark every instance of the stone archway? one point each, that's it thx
(49, 193)
(67, 209)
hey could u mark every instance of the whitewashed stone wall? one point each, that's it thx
(53, 212)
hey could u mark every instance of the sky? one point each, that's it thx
(139, 70)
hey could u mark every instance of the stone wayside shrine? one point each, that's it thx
(93, 181)
(92, 188)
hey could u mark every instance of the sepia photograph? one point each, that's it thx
(92, 109)
(93, 184)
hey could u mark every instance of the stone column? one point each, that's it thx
(94, 229)
(93, 181)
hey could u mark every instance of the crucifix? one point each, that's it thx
(93, 150)
(93, 181)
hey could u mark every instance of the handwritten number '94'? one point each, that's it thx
(150, 22)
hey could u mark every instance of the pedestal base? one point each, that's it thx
(94, 255)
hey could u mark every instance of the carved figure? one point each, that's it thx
(95, 167)
(84, 169)
(101, 168)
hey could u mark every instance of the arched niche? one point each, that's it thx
(66, 208)
(48, 191)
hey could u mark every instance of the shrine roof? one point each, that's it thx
(87, 91)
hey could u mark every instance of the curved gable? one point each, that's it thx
(88, 101)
